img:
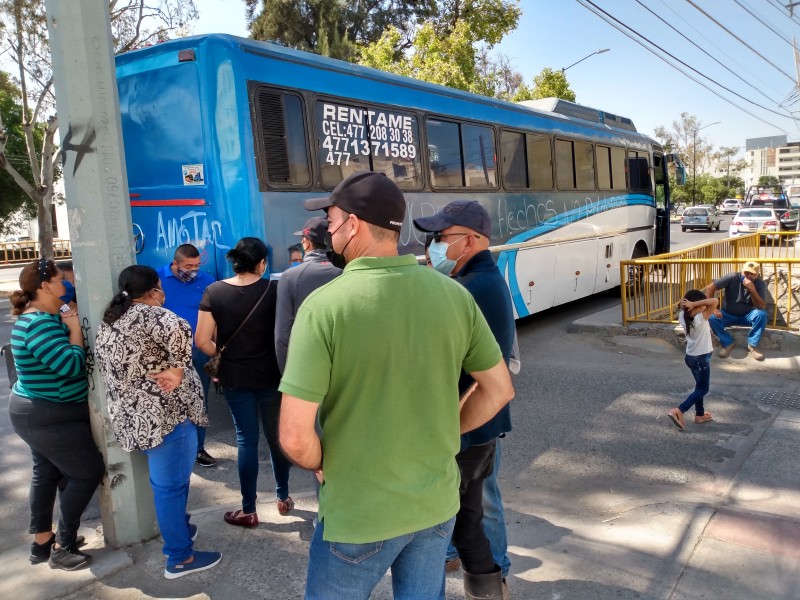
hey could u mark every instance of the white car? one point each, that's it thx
(730, 206)
(751, 220)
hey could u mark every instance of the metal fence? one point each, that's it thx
(654, 286)
(26, 251)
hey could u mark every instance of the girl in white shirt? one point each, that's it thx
(696, 309)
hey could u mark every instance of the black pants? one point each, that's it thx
(476, 464)
(65, 458)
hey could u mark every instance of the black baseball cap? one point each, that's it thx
(370, 196)
(314, 230)
(467, 213)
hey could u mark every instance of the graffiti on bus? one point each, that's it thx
(193, 227)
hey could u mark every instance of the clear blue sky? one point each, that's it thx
(631, 81)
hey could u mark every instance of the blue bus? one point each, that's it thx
(225, 137)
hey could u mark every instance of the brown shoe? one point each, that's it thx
(677, 417)
(285, 506)
(452, 565)
(725, 351)
(755, 353)
(703, 418)
(241, 519)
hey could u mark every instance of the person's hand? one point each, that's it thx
(718, 313)
(686, 304)
(748, 284)
(319, 475)
(168, 379)
(71, 320)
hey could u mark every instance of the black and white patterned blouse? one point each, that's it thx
(144, 341)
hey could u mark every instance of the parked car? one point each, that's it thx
(787, 217)
(700, 217)
(730, 206)
(751, 220)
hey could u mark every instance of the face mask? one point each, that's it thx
(294, 263)
(439, 261)
(337, 258)
(69, 293)
(187, 276)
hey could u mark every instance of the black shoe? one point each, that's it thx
(68, 559)
(204, 459)
(41, 552)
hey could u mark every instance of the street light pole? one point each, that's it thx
(584, 58)
(694, 157)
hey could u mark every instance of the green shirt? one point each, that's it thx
(48, 366)
(381, 348)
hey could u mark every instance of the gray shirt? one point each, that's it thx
(737, 299)
(294, 286)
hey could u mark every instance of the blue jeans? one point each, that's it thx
(756, 319)
(246, 405)
(200, 358)
(494, 521)
(700, 367)
(338, 571)
(171, 465)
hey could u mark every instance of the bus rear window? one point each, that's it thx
(352, 138)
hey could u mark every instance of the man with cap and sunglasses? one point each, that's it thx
(297, 283)
(377, 352)
(460, 248)
(743, 304)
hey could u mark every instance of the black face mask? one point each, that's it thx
(337, 260)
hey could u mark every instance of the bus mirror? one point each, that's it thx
(680, 175)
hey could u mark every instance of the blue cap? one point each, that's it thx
(467, 213)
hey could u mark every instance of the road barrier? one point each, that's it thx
(655, 285)
(26, 251)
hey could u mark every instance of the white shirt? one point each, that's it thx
(698, 341)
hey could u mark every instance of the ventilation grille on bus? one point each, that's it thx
(273, 134)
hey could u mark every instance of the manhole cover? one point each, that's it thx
(782, 399)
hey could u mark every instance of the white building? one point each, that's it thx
(772, 156)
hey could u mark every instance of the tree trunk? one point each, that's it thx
(45, 219)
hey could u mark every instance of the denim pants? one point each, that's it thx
(200, 358)
(65, 458)
(246, 406)
(756, 319)
(700, 366)
(476, 464)
(339, 571)
(171, 465)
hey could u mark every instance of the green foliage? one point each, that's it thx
(548, 84)
(768, 180)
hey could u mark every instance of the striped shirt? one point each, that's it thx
(48, 366)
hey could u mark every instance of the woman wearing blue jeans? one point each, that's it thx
(696, 309)
(156, 403)
(237, 315)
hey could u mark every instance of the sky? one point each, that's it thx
(632, 81)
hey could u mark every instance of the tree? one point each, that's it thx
(12, 139)
(452, 48)
(23, 36)
(547, 84)
(769, 181)
(334, 28)
(683, 139)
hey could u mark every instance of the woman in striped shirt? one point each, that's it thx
(49, 411)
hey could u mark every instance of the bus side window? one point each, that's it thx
(574, 165)
(512, 150)
(610, 168)
(282, 151)
(638, 170)
(445, 162)
(478, 150)
(540, 162)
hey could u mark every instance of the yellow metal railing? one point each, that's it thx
(20, 252)
(654, 286)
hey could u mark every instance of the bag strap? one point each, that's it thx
(250, 314)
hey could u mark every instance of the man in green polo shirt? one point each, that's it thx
(377, 353)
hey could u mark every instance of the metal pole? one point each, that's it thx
(694, 165)
(100, 229)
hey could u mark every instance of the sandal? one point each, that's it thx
(285, 506)
(703, 418)
(677, 417)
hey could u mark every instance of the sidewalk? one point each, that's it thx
(604, 498)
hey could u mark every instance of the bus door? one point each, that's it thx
(661, 178)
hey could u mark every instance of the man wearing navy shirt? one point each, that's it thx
(184, 283)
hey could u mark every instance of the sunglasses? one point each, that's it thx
(438, 235)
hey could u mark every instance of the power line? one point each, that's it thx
(741, 41)
(764, 23)
(597, 10)
(782, 9)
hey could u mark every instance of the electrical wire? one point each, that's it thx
(741, 41)
(764, 23)
(597, 10)
(780, 7)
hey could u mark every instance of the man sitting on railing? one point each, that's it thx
(743, 304)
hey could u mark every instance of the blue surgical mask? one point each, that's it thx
(295, 263)
(439, 261)
(69, 294)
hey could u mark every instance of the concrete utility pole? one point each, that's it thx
(100, 229)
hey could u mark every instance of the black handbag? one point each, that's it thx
(212, 366)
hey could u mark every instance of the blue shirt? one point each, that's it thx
(483, 280)
(184, 298)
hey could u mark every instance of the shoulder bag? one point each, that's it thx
(213, 364)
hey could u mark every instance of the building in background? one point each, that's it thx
(772, 156)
